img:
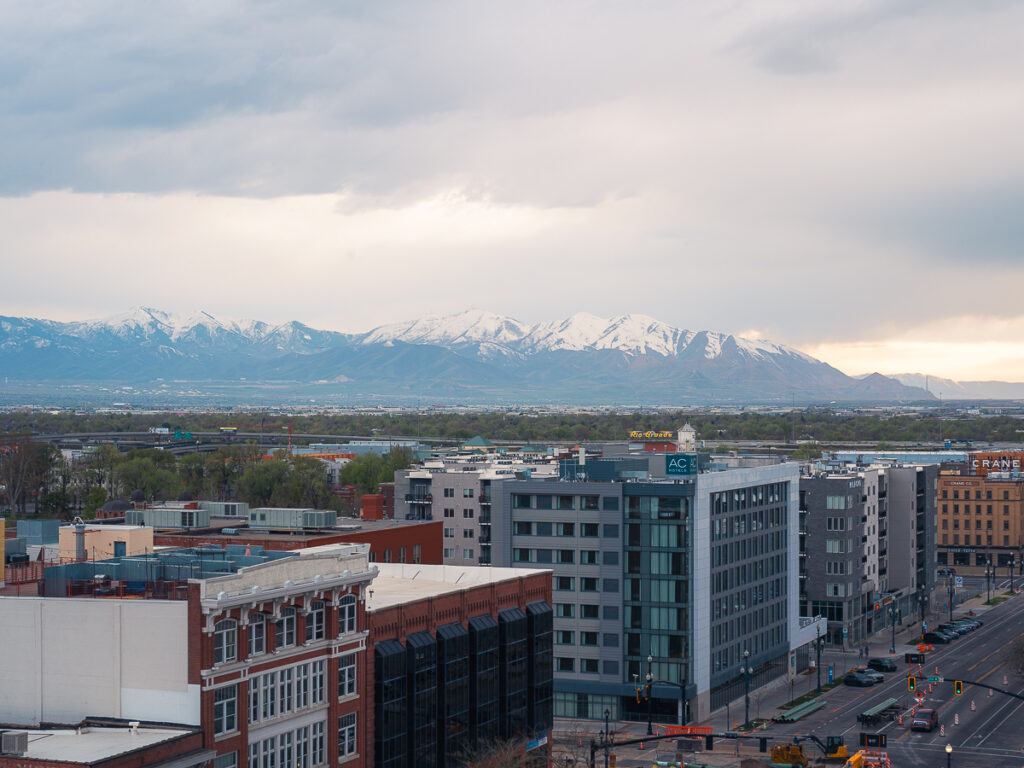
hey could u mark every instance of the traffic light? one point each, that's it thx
(958, 687)
(911, 683)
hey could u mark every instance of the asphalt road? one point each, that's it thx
(992, 735)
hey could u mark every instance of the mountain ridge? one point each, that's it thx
(477, 354)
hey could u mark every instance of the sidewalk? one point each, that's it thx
(765, 701)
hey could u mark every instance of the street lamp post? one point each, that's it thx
(818, 642)
(892, 620)
(952, 594)
(949, 756)
(650, 679)
(988, 580)
(746, 689)
(605, 736)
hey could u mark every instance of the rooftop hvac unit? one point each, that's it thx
(14, 743)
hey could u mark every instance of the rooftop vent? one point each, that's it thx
(14, 743)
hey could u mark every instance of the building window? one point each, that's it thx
(565, 637)
(611, 531)
(449, 512)
(347, 735)
(467, 493)
(225, 709)
(589, 530)
(565, 610)
(449, 553)
(467, 514)
(315, 621)
(588, 611)
(347, 615)
(317, 746)
(417, 553)
(449, 533)
(565, 529)
(230, 760)
(449, 493)
(588, 666)
(565, 583)
(225, 641)
(467, 533)
(284, 632)
(467, 554)
(257, 634)
(588, 584)
(588, 638)
(347, 674)
(566, 555)
(565, 664)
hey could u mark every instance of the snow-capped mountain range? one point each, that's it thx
(629, 334)
(473, 354)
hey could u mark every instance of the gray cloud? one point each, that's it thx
(733, 162)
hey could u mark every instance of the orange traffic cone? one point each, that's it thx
(956, 719)
(972, 705)
(899, 720)
(942, 730)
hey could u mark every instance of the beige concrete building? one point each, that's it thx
(101, 542)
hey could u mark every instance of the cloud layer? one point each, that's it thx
(829, 174)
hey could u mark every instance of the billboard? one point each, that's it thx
(983, 463)
(681, 464)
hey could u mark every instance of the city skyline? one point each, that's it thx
(843, 180)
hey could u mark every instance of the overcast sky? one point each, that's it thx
(843, 177)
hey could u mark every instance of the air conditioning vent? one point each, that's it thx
(14, 743)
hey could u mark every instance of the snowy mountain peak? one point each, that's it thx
(632, 334)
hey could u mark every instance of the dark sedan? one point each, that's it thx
(857, 679)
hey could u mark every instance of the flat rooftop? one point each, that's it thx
(346, 526)
(92, 744)
(398, 583)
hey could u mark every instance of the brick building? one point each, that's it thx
(462, 656)
(980, 515)
(270, 654)
(391, 541)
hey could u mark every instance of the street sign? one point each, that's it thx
(934, 679)
(177, 434)
(958, 581)
(831, 672)
(925, 626)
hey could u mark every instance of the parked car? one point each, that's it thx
(925, 720)
(950, 629)
(883, 665)
(936, 637)
(878, 677)
(857, 679)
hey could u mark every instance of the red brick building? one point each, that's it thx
(391, 541)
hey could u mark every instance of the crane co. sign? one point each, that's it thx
(983, 463)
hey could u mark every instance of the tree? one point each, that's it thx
(95, 498)
(261, 484)
(141, 472)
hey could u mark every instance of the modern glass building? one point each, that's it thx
(687, 580)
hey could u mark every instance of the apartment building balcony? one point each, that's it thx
(418, 498)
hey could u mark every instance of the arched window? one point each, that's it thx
(347, 615)
(284, 633)
(257, 634)
(315, 621)
(225, 641)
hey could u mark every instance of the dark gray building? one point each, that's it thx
(867, 548)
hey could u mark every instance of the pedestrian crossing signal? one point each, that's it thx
(911, 683)
(958, 687)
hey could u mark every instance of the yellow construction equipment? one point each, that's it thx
(833, 748)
